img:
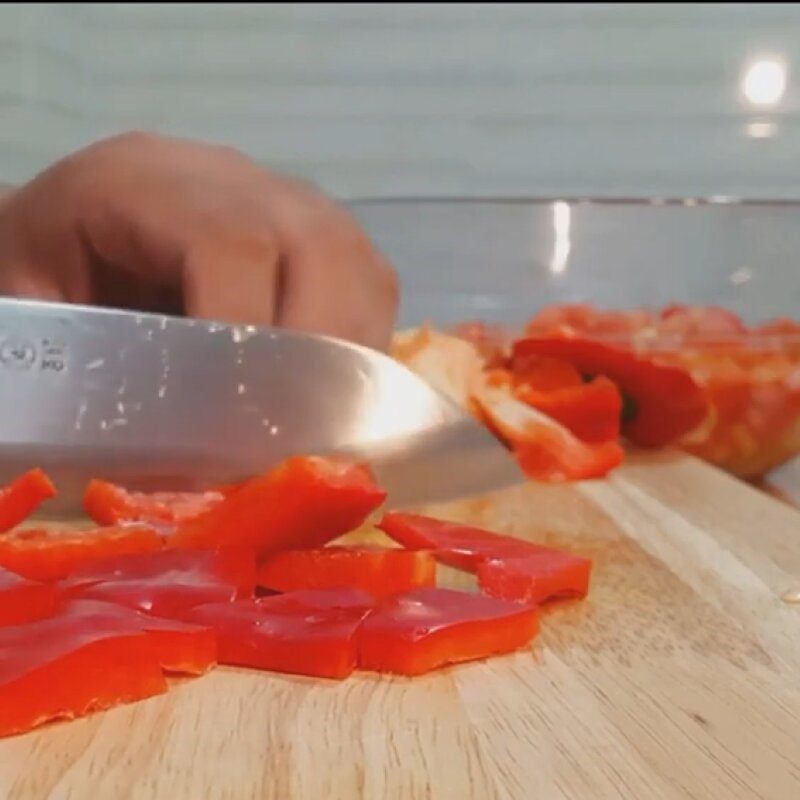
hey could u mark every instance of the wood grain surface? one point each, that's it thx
(679, 677)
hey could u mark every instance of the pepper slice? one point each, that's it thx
(23, 496)
(421, 630)
(379, 571)
(508, 568)
(47, 555)
(667, 403)
(80, 660)
(304, 502)
(107, 504)
(23, 600)
(169, 582)
(544, 575)
(303, 633)
(546, 450)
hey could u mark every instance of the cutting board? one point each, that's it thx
(679, 677)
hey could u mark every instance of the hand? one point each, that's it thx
(158, 224)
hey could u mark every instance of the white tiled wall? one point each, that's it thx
(418, 99)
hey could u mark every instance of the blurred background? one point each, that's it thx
(424, 99)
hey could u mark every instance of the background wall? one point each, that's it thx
(397, 100)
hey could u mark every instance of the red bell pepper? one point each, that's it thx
(452, 543)
(666, 401)
(108, 504)
(508, 568)
(52, 554)
(23, 496)
(168, 582)
(545, 449)
(421, 630)
(379, 571)
(304, 502)
(180, 647)
(545, 574)
(80, 660)
(304, 633)
(23, 600)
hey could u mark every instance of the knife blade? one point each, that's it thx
(158, 402)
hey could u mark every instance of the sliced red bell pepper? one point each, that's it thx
(24, 600)
(379, 571)
(452, 543)
(666, 401)
(591, 411)
(81, 659)
(508, 568)
(181, 648)
(543, 575)
(421, 630)
(168, 582)
(545, 449)
(107, 504)
(304, 502)
(304, 633)
(52, 554)
(23, 496)
(544, 374)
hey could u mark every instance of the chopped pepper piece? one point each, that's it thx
(23, 496)
(107, 504)
(304, 633)
(508, 568)
(80, 660)
(52, 554)
(544, 575)
(421, 630)
(24, 600)
(379, 571)
(168, 582)
(667, 403)
(303, 502)
(546, 450)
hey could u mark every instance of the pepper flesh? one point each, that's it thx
(169, 582)
(304, 633)
(108, 504)
(416, 632)
(379, 571)
(23, 496)
(24, 600)
(304, 502)
(52, 554)
(668, 402)
(77, 661)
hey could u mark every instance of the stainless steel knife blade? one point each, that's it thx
(154, 401)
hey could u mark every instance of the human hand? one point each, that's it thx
(151, 223)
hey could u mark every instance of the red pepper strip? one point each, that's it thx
(168, 582)
(545, 575)
(379, 571)
(23, 600)
(591, 411)
(421, 630)
(181, 648)
(23, 496)
(107, 504)
(452, 543)
(304, 502)
(546, 450)
(668, 403)
(508, 568)
(47, 555)
(544, 374)
(304, 633)
(80, 660)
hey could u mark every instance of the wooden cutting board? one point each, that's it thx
(679, 677)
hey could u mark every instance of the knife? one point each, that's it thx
(158, 402)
